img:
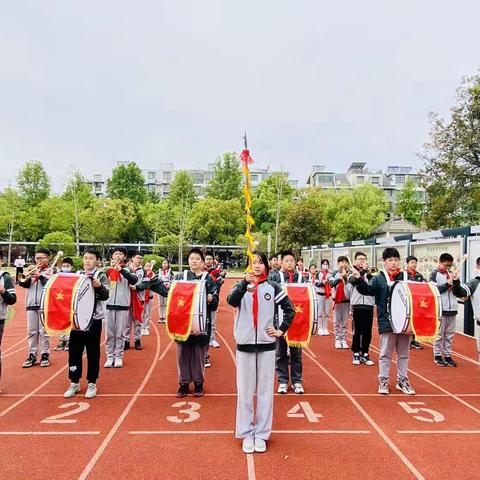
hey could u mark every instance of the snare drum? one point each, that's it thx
(415, 307)
(68, 303)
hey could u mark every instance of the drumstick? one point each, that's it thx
(464, 259)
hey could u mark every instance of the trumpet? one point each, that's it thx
(29, 271)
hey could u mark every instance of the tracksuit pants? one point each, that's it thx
(362, 329)
(340, 317)
(191, 361)
(37, 336)
(444, 340)
(295, 373)
(389, 343)
(115, 324)
(255, 379)
(79, 341)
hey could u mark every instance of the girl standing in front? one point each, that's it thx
(256, 298)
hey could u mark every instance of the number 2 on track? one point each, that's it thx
(409, 407)
(60, 418)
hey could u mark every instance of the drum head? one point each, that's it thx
(84, 303)
(399, 308)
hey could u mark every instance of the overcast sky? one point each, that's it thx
(84, 84)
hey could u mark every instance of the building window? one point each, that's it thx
(151, 175)
(360, 179)
(254, 178)
(324, 178)
(376, 180)
(399, 178)
(167, 176)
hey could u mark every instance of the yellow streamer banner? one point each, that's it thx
(246, 160)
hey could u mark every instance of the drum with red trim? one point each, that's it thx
(415, 307)
(68, 302)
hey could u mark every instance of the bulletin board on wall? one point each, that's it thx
(473, 250)
(428, 253)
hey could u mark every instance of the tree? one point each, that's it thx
(453, 159)
(157, 218)
(79, 194)
(107, 221)
(12, 212)
(305, 223)
(127, 183)
(270, 204)
(58, 241)
(216, 221)
(180, 201)
(408, 204)
(33, 183)
(354, 214)
(227, 178)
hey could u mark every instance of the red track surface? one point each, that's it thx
(134, 430)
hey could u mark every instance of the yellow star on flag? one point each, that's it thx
(181, 302)
(59, 295)
(298, 309)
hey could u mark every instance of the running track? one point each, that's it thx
(136, 428)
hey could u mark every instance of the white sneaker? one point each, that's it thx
(118, 363)
(345, 344)
(91, 391)
(142, 332)
(356, 359)
(260, 445)
(298, 388)
(146, 332)
(72, 390)
(109, 363)
(325, 332)
(383, 387)
(338, 344)
(248, 445)
(214, 344)
(282, 388)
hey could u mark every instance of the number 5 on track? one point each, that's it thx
(409, 407)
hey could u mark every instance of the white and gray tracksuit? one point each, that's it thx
(255, 357)
(162, 301)
(132, 322)
(147, 309)
(324, 303)
(342, 309)
(471, 290)
(443, 342)
(118, 310)
(37, 336)
(7, 298)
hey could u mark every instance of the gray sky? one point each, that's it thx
(84, 84)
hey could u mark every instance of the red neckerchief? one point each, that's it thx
(255, 298)
(340, 292)
(392, 277)
(411, 272)
(148, 274)
(40, 270)
(313, 276)
(328, 288)
(291, 276)
(443, 270)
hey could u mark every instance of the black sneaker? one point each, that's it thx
(30, 361)
(208, 364)
(44, 360)
(138, 345)
(416, 345)
(61, 346)
(198, 390)
(450, 361)
(126, 346)
(183, 390)
(439, 361)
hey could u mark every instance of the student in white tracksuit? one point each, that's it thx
(165, 275)
(257, 298)
(324, 296)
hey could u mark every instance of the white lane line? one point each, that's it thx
(91, 464)
(181, 432)
(441, 432)
(49, 433)
(6, 355)
(250, 467)
(370, 420)
(322, 432)
(230, 351)
(11, 347)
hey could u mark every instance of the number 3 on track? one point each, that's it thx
(190, 410)
(409, 407)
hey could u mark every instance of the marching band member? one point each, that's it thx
(362, 315)
(166, 275)
(118, 306)
(341, 299)
(88, 340)
(191, 352)
(7, 297)
(288, 274)
(148, 299)
(379, 286)
(471, 290)
(216, 274)
(136, 306)
(255, 357)
(414, 276)
(324, 295)
(443, 344)
(34, 282)
(67, 267)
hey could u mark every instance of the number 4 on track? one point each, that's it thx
(304, 410)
